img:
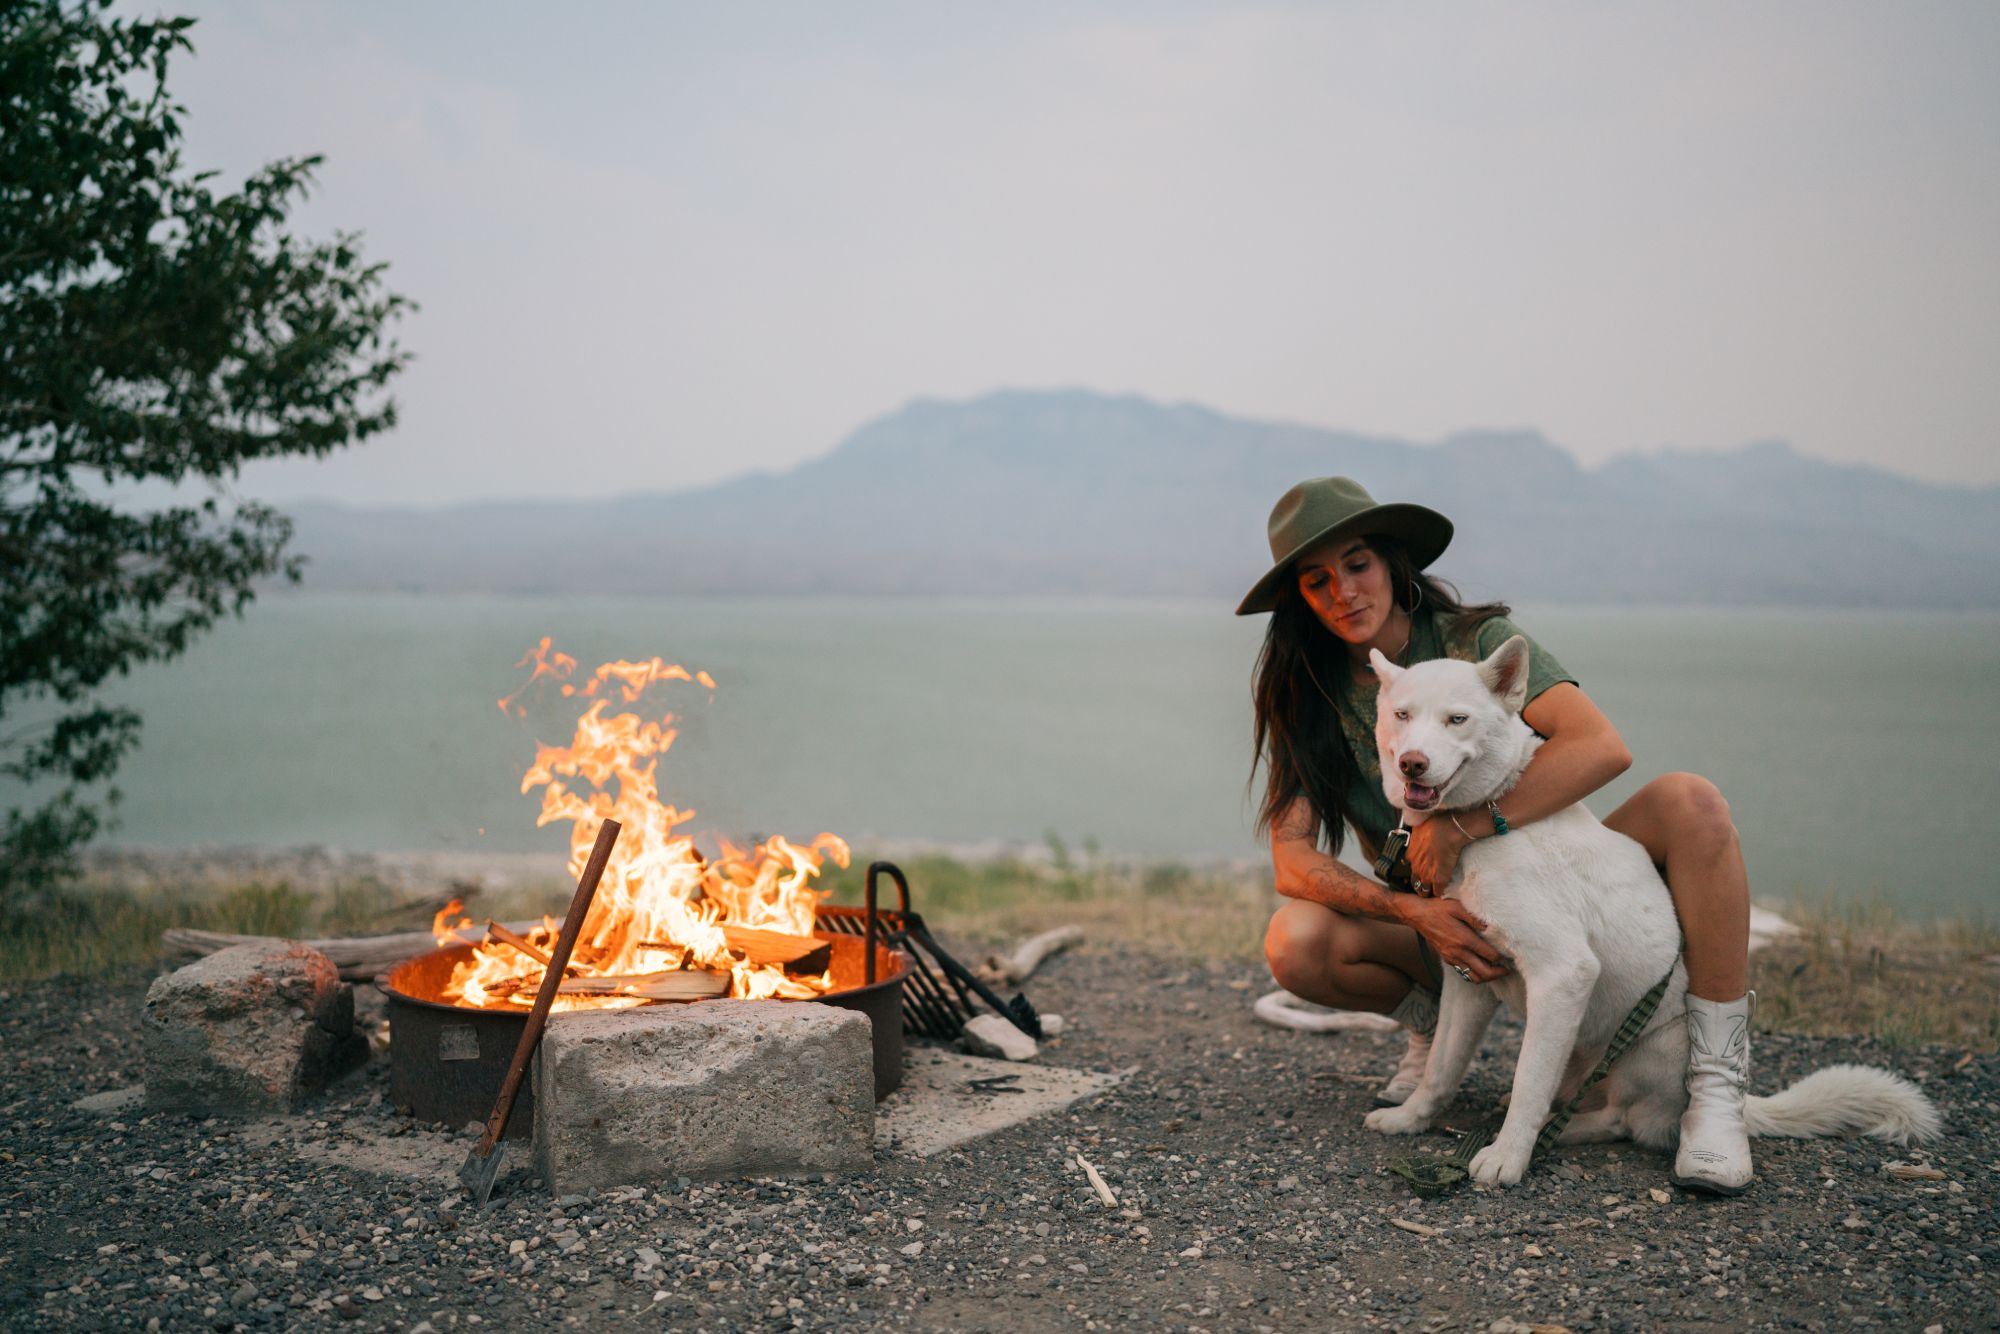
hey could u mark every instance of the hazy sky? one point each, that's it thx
(659, 244)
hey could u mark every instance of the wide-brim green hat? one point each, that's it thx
(1324, 508)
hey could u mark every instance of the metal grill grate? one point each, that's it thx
(939, 992)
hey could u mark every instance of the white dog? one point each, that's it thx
(1590, 927)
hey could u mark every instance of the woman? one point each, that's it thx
(1348, 577)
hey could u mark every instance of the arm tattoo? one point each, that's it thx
(1346, 890)
(1298, 823)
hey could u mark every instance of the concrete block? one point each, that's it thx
(716, 1089)
(253, 1028)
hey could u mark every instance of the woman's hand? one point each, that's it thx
(1453, 931)
(1433, 852)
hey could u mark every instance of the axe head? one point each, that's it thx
(479, 1172)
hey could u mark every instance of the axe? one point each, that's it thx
(482, 1165)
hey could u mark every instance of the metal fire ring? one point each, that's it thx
(446, 1061)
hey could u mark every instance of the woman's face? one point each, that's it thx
(1346, 583)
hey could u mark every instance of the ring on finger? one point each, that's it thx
(1462, 971)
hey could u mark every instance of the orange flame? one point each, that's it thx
(661, 906)
(557, 665)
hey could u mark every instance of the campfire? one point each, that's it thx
(667, 924)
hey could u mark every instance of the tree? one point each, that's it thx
(153, 330)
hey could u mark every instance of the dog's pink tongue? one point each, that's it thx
(1419, 794)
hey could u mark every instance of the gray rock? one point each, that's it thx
(112, 1102)
(717, 1089)
(248, 1029)
(990, 1035)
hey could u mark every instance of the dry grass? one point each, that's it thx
(97, 929)
(1863, 970)
(1850, 970)
(1164, 909)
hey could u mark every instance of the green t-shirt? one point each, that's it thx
(1368, 811)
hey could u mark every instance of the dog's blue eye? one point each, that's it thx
(1402, 715)
(1458, 718)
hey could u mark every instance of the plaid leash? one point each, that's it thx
(1432, 1175)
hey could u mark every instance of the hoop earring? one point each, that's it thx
(1417, 600)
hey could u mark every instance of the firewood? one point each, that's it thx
(683, 985)
(519, 942)
(796, 954)
(679, 984)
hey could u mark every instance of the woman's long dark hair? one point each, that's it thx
(1298, 742)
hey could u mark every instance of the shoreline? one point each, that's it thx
(1829, 969)
(317, 867)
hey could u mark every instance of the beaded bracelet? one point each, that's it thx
(1499, 820)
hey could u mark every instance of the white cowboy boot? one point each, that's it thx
(1715, 1149)
(1418, 1013)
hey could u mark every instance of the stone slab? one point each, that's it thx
(718, 1089)
(948, 1098)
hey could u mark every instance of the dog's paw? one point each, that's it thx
(1499, 1165)
(1397, 1121)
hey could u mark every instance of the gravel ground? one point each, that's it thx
(1250, 1199)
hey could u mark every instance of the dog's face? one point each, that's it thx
(1435, 721)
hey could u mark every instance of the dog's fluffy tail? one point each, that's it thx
(1847, 1100)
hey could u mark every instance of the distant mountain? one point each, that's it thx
(1076, 493)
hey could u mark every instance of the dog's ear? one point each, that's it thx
(1506, 673)
(1385, 671)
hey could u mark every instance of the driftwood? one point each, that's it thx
(1284, 1010)
(1097, 1183)
(359, 958)
(1014, 969)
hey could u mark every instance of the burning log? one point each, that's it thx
(795, 954)
(676, 984)
(664, 905)
(495, 931)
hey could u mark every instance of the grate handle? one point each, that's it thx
(894, 872)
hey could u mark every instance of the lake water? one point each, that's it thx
(1857, 750)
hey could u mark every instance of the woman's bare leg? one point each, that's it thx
(1351, 963)
(1357, 963)
(1684, 825)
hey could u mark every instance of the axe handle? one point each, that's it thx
(552, 976)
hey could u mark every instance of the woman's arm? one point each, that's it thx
(1304, 871)
(1582, 753)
